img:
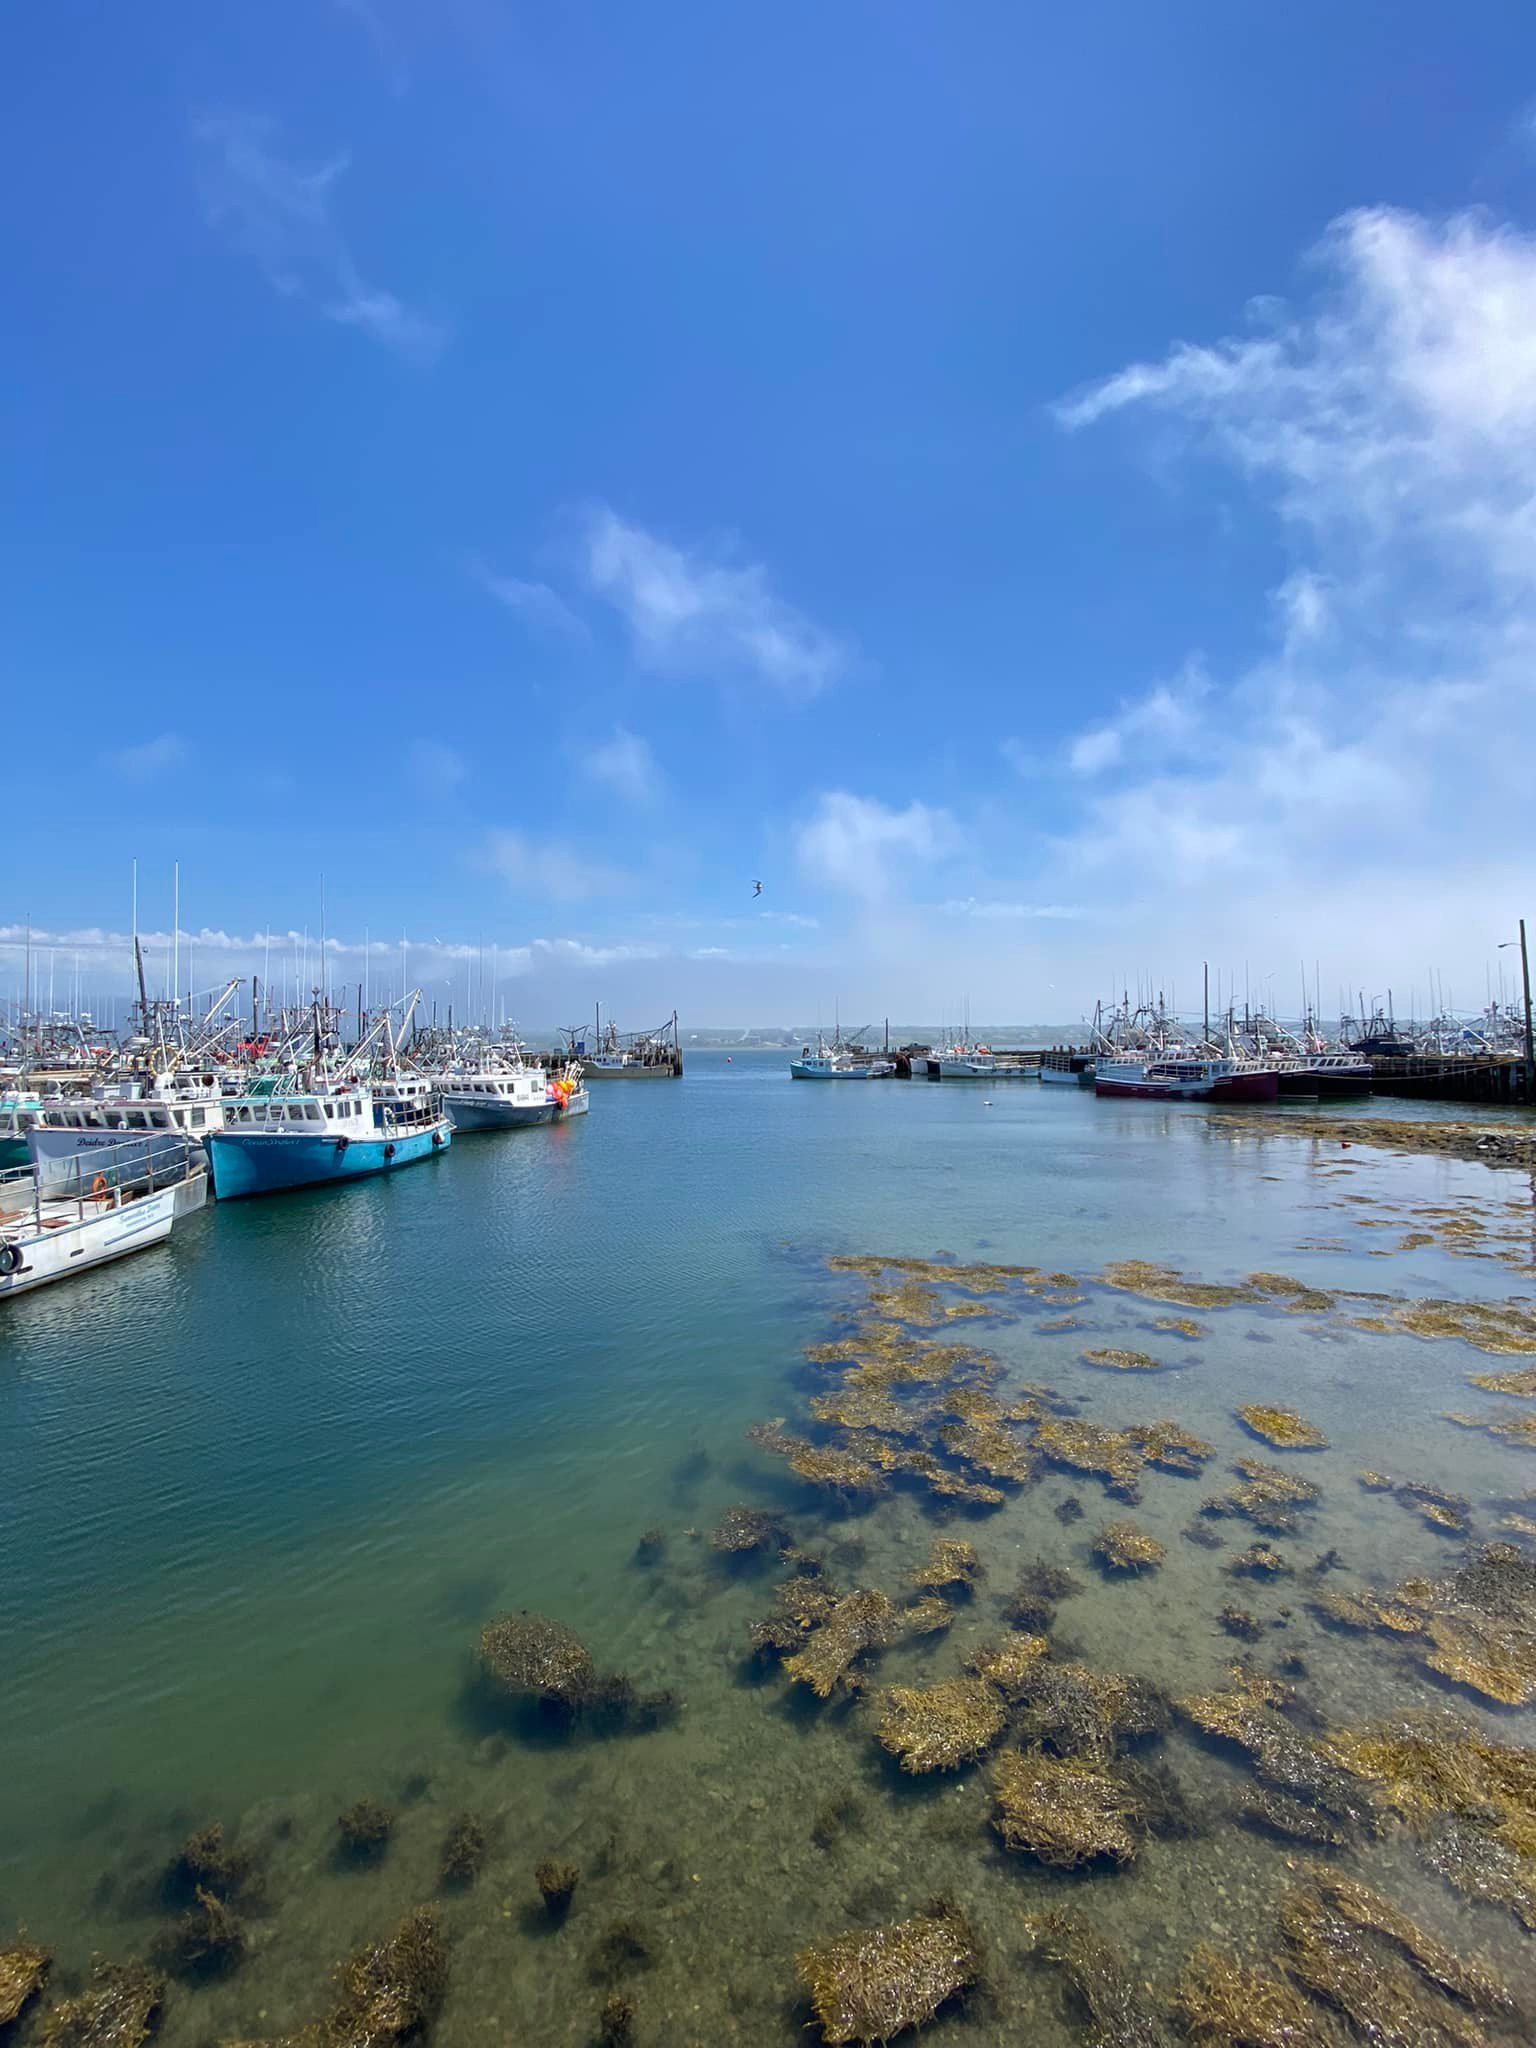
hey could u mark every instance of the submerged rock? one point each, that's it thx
(869, 1985)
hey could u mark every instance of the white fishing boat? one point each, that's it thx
(138, 1110)
(503, 1091)
(102, 1208)
(830, 1063)
(964, 1062)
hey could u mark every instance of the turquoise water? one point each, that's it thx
(264, 1486)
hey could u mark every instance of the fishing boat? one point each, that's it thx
(300, 1136)
(335, 1121)
(1067, 1069)
(125, 1112)
(105, 1207)
(20, 1109)
(964, 1062)
(830, 1063)
(1180, 1077)
(650, 1056)
(503, 1091)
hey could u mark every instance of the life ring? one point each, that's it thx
(389, 1151)
(100, 1192)
(10, 1260)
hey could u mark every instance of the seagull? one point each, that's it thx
(757, 888)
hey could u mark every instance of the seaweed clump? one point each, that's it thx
(557, 1884)
(24, 1968)
(1122, 1547)
(1107, 1996)
(1171, 1447)
(1032, 1603)
(1123, 1361)
(1282, 1427)
(616, 2021)
(1079, 1712)
(464, 1849)
(1391, 1988)
(1477, 1626)
(870, 1984)
(950, 1565)
(119, 2008)
(206, 1862)
(1008, 1665)
(1246, 1714)
(743, 1530)
(860, 1623)
(1066, 1811)
(1258, 1561)
(940, 1727)
(529, 1656)
(364, 1828)
(1269, 1497)
(207, 1941)
(1112, 1455)
(1224, 2004)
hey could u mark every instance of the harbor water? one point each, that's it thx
(264, 1486)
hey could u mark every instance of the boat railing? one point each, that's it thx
(93, 1182)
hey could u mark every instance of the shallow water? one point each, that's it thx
(265, 1485)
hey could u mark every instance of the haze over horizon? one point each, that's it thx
(1051, 499)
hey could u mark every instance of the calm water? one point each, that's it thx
(264, 1486)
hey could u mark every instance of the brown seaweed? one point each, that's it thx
(207, 1941)
(950, 1563)
(1123, 1361)
(1079, 1712)
(1477, 1626)
(940, 1727)
(1374, 1990)
(1107, 1996)
(207, 1862)
(870, 1984)
(1112, 1455)
(1258, 1561)
(1171, 1447)
(1066, 1811)
(1007, 1665)
(530, 1656)
(1282, 1427)
(1122, 1547)
(119, 2008)
(616, 2021)
(24, 1968)
(364, 1828)
(1224, 2004)
(743, 1530)
(862, 1622)
(464, 1848)
(557, 1884)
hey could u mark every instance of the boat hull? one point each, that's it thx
(810, 1070)
(662, 1070)
(471, 1113)
(77, 1247)
(1260, 1086)
(267, 1163)
(1320, 1084)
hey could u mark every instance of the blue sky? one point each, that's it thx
(1049, 493)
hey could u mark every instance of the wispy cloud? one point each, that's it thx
(386, 44)
(538, 603)
(550, 869)
(283, 216)
(689, 614)
(1392, 423)
(152, 758)
(992, 911)
(850, 842)
(625, 764)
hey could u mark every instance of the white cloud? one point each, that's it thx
(152, 758)
(626, 765)
(860, 846)
(437, 768)
(536, 602)
(692, 616)
(283, 217)
(577, 953)
(549, 869)
(1392, 424)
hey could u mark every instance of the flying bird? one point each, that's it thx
(757, 888)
